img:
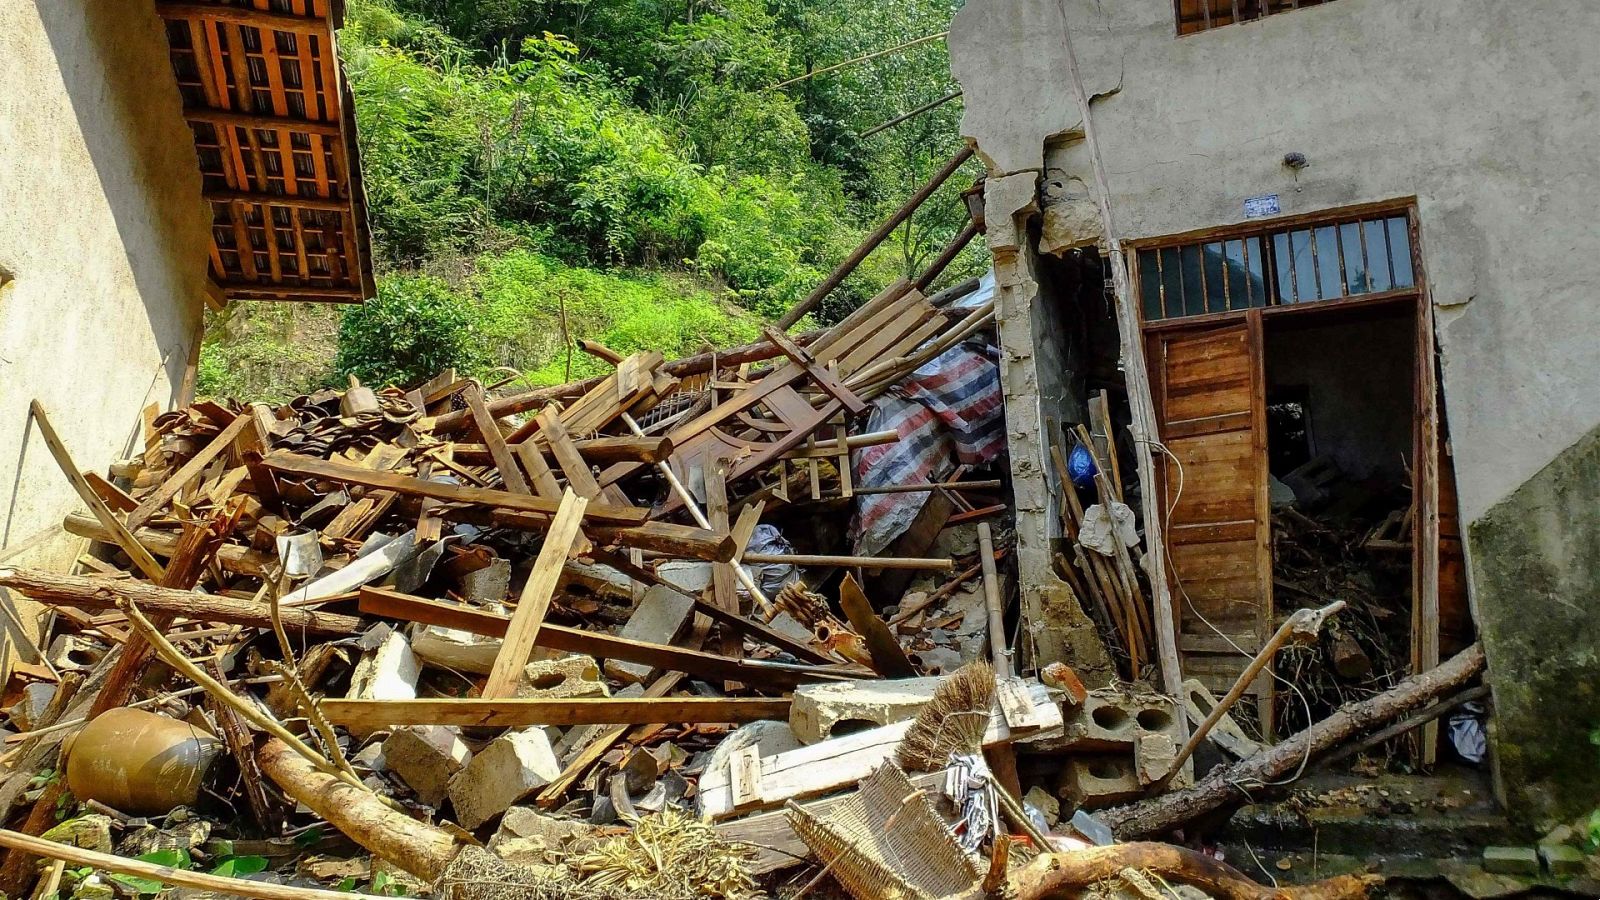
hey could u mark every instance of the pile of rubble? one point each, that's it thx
(666, 633)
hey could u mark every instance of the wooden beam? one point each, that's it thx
(504, 462)
(229, 119)
(887, 655)
(287, 463)
(298, 201)
(707, 666)
(522, 634)
(232, 557)
(189, 471)
(1142, 406)
(92, 593)
(120, 533)
(519, 713)
(865, 562)
(606, 449)
(236, 290)
(244, 15)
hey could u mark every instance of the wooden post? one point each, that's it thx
(1143, 426)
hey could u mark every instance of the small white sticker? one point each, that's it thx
(1259, 207)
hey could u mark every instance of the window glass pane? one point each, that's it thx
(1238, 275)
(1327, 255)
(1355, 268)
(1172, 281)
(1150, 284)
(1283, 263)
(1216, 283)
(1400, 252)
(1305, 267)
(1194, 293)
(1377, 256)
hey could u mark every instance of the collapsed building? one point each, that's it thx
(1222, 475)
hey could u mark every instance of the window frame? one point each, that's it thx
(1265, 230)
(1205, 12)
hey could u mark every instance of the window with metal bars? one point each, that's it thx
(1333, 260)
(1203, 15)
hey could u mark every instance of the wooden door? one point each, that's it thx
(1211, 408)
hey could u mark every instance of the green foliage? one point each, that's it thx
(626, 159)
(415, 327)
(172, 859)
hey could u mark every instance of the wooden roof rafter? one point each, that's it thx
(274, 132)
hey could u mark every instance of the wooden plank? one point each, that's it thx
(724, 582)
(544, 481)
(221, 118)
(819, 768)
(288, 463)
(161, 496)
(571, 462)
(231, 557)
(504, 462)
(120, 533)
(588, 756)
(115, 497)
(819, 374)
(523, 633)
(519, 713)
(244, 15)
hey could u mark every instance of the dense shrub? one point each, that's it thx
(412, 330)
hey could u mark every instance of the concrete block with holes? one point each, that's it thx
(1099, 780)
(1116, 719)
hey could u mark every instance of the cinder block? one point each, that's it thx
(818, 709)
(1511, 860)
(510, 768)
(1113, 719)
(1098, 780)
(659, 618)
(426, 757)
(562, 678)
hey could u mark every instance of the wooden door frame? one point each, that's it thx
(1425, 558)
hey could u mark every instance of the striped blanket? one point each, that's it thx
(947, 412)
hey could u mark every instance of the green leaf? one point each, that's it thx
(309, 837)
(347, 885)
(139, 884)
(174, 858)
(239, 866)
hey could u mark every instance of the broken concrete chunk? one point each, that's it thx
(659, 618)
(489, 584)
(527, 837)
(819, 709)
(510, 768)
(1048, 806)
(1563, 860)
(426, 757)
(1153, 757)
(35, 698)
(454, 649)
(387, 673)
(562, 678)
(74, 653)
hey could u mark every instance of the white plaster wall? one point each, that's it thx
(1487, 112)
(104, 235)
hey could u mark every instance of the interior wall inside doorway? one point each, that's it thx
(1355, 375)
